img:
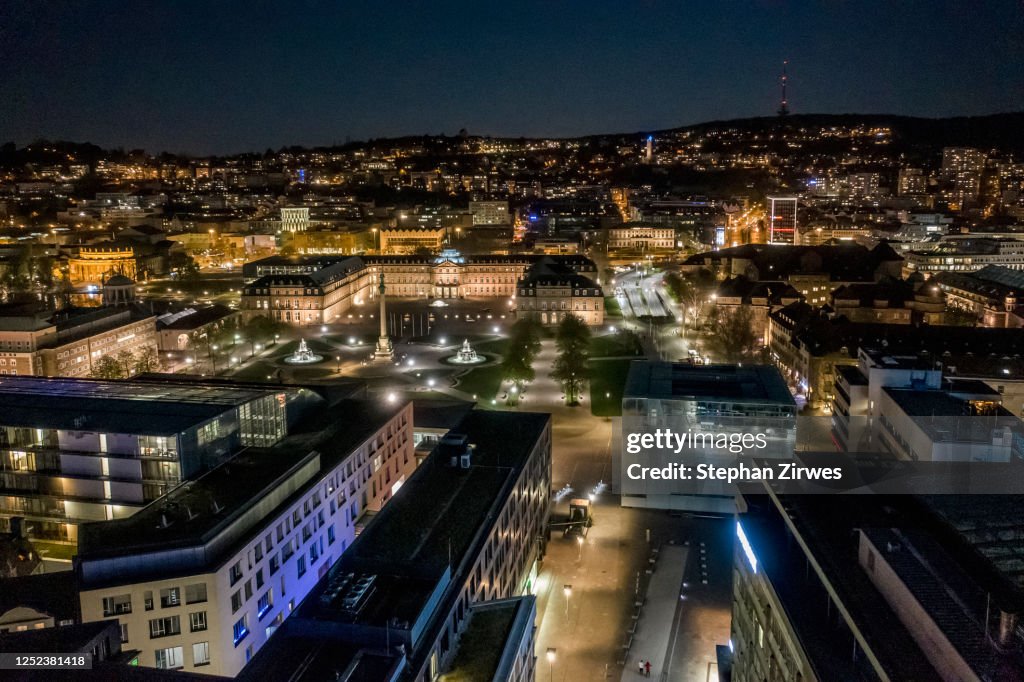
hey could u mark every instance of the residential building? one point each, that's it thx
(201, 579)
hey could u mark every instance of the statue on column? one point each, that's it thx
(385, 350)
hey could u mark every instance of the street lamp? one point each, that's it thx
(337, 359)
(579, 539)
(552, 653)
(567, 591)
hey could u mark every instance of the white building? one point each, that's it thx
(295, 219)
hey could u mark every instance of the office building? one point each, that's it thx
(73, 342)
(201, 579)
(490, 212)
(411, 240)
(782, 220)
(76, 450)
(965, 255)
(466, 531)
(739, 399)
(295, 219)
(866, 588)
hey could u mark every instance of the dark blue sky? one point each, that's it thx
(225, 76)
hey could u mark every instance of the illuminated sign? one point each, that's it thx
(747, 549)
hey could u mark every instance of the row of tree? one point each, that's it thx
(571, 368)
(126, 364)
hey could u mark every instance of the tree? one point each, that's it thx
(146, 360)
(517, 365)
(733, 334)
(189, 271)
(126, 360)
(107, 368)
(571, 368)
(261, 328)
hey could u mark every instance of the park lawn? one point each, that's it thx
(441, 377)
(257, 371)
(483, 382)
(607, 382)
(492, 346)
(611, 306)
(614, 345)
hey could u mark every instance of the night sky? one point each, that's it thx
(223, 76)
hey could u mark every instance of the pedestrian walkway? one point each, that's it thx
(654, 631)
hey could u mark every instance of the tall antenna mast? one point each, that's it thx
(783, 104)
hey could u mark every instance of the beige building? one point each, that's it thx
(641, 238)
(70, 344)
(303, 293)
(96, 263)
(407, 240)
(548, 294)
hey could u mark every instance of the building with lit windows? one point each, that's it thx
(834, 587)
(459, 546)
(305, 292)
(782, 220)
(201, 579)
(490, 212)
(295, 219)
(409, 240)
(96, 263)
(548, 293)
(639, 237)
(72, 342)
(76, 450)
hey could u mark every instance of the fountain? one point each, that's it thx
(466, 355)
(303, 355)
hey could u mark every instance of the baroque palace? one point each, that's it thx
(318, 290)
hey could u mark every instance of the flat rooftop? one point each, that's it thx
(482, 644)
(406, 554)
(146, 408)
(676, 380)
(197, 511)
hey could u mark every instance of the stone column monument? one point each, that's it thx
(384, 350)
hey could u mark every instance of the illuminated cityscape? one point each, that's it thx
(501, 344)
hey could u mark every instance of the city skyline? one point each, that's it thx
(223, 80)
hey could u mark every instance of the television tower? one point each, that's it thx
(783, 104)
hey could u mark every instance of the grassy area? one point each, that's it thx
(613, 345)
(611, 306)
(483, 382)
(607, 381)
(491, 346)
(441, 377)
(54, 550)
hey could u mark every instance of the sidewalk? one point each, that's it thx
(654, 628)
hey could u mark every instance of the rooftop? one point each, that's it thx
(407, 557)
(195, 513)
(144, 408)
(668, 380)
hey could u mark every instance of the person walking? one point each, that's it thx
(641, 666)
(647, 669)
